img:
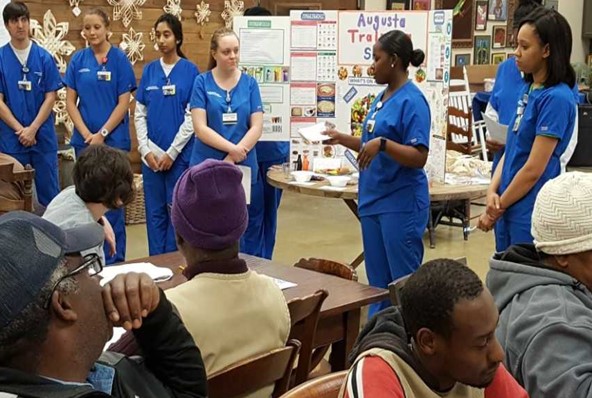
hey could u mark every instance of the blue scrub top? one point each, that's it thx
(166, 113)
(98, 98)
(386, 186)
(245, 100)
(269, 151)
(24, 105)
(549, 112)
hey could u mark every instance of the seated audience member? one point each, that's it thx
(55, 319)
(543, 292)
(232, 312)
(103, 180)
(439, 343)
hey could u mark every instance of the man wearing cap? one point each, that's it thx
(231, 312)
(544, 293)
(55, 319)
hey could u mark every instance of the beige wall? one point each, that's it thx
(573, 10)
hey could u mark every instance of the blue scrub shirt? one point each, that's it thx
(386, 186)
(245, 100)
(24, 105)
(98, 98)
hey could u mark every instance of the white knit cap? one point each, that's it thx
(562, 215)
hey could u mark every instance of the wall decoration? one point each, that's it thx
(75, 5)
(423, 5)
(498, 10)
(512, 4)
(61, 114)
(173, 7)
(132, 45)
(463, 20)
(51, 37)
(397, 5)
(481, 50)
(202, 16)
(152, 38)
(462, 59)
(498, 58)
(498, 36)
(481, 15)
(232, 8)
(126, 10)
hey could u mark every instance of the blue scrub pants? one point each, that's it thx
(393, 247)
(259, 238)
(47, 181)
(158, 196)
(512, 231)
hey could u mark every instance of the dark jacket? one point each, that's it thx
(171, 366)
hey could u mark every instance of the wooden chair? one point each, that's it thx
(328, 267)
(25, 177)
(255, 373)
(327, 386)
(304, 315)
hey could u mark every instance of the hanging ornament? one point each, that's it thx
(232, 8)
(51, 37)
(61, 114)
(76, 7)
(126, 10)
(132, 45)
(202, 15)
(153, 38)
(173, 7)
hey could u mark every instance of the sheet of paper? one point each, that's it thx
(246, 181)
(497, 132)
(158, 274)
(314, 133)
(262, 46)
(282, 284)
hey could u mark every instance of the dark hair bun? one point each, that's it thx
(417, 57)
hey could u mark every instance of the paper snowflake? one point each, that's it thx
(202, 15)
(153, 39)
(75, 5)
(173, 7)
(61, 114)
(132, 45)
(51, 37)
(232, 8)
(126, 10)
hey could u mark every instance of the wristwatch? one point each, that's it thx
(104, 132)
(382, 144)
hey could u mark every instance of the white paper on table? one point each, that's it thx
(313, 133)
(158, 274)
(246, 182)
(497, 131)
(282, 284)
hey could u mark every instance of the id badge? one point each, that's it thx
(104, 75)
(229, 118)
(24, 85)
(370, 126)
(517, 123)
(169, 90)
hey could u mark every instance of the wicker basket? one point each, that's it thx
(135, 212)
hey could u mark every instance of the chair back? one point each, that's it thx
(25, 177)
(329, 267)
(255, 373)
(395, 288)
(327, 386)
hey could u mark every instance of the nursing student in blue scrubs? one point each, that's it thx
(164, 129)
(393, 190)
(100, 80)
(227, 114)
(541, 128)
(29, 80)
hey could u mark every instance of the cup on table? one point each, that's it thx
(286, 168)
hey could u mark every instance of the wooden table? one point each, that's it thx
(446, 200)
(339, 321)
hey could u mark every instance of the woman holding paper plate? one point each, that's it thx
(164, 129)
(227, 114)
(393, 194)
(541, 128)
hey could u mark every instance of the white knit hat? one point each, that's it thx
(562, 215)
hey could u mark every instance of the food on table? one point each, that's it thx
(342, 171)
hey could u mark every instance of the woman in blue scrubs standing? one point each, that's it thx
(29, 80)
(100, 80)
(164, 129)
(393, 194)
(540, 129)
(227, 112)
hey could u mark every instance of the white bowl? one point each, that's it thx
(302, 175)
(338, 181)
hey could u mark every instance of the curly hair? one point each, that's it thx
(430, 294)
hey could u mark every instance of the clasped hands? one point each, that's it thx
(492, 213)
(163, 164)
(237, 153)
(26, 136)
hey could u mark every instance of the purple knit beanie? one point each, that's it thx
(209, 206)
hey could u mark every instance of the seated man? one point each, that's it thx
(439, 343)
(231, 312)
(103, 180)
(543, 293)
(55, 320)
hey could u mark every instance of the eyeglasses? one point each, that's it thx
(90, 262)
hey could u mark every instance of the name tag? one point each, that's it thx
(370, 125)
(104, 75)
(24, 85)
(169, 90)
(229, 118)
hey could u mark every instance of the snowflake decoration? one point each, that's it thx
(173, 7)
(61, 114)
(232, 8)
(75, 5)
(51, 37)
(132, 45)
(126, 10)
(153, 38)
(202, 15)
